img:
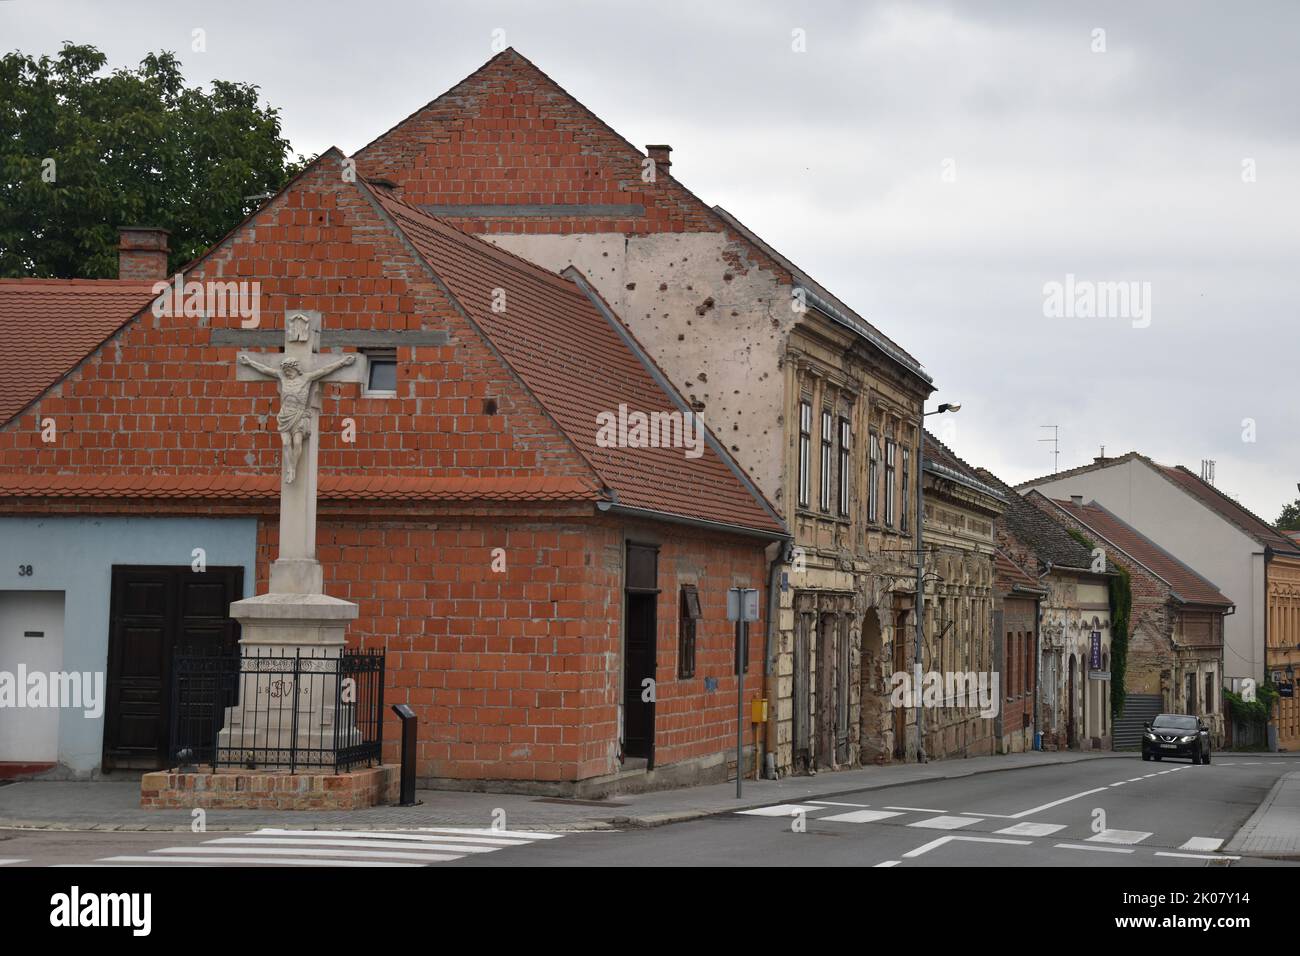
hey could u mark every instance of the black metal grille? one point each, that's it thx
(315, 711)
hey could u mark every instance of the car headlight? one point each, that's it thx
(1150, 735)
(1187, 740)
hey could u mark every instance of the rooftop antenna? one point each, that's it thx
(1056, 446)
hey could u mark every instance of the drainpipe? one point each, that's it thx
(776, 557)
(1038, 671)
(920, 595)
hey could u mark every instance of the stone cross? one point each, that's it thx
(298, 370)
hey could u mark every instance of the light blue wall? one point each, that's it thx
(76, 555)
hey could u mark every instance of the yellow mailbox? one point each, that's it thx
(758, 706)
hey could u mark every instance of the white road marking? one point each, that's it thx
(1135, 779)
(1055, 803)
(12, 860)
(381, 844)
(945, 823)
(935, 844)
(490, 832)
(1204, 844)
(781, 810)
(860, 816)
(1099, 849)
(1126, 837)
(889, 863)
(307, 852)
(1120, 784)
(832, 803)
(394, 835)
(917, 809)
(1033, 829)
(231, 860)
(1198, 856)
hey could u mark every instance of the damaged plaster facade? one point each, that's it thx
(960, 511)
(814, 403)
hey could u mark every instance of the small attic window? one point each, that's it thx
(381, 375)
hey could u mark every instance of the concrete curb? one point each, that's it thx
(1236, 844)
(615, 822)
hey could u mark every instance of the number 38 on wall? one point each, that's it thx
(24, 570)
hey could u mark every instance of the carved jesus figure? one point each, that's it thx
(294, 417)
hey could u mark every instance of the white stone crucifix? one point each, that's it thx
(298, 370)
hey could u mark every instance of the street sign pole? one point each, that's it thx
(742, 633)
(742, 607)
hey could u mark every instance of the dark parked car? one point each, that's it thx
(1176, 735)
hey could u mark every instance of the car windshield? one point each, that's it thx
(1165, 722)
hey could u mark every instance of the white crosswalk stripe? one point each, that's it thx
(1125, 837)
(945, 823)
(859, 816)
(1202, 844)
(345, 848)
(781, 810)
(1033, 829)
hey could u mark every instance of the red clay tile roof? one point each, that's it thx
(332, 487)
(578, 365)
(47, 326)
(1008, 575)
(1186, 583)
(1225, 507)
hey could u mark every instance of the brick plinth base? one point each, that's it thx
(270, 790)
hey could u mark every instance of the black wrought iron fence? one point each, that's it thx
(269, 710)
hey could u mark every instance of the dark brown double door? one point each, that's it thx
(154, 613)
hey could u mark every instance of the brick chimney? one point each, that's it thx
(1077, 500)
(660, 155)
(142, 253)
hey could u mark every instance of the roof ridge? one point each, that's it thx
(1232, 501)
(771, 250)
(49, 282)
(1080, 469)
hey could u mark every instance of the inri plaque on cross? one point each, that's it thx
(298, 370)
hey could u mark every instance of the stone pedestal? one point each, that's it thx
(290, 645)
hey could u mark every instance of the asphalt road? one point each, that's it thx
(1109, 812)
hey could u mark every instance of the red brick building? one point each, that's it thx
(525, 577)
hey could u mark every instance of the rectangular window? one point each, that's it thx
(381, 371)
(846, 452)
(873, 477)
(686, 632)
(906, 499)
(805, 450)
(824, 485)
(891, 451)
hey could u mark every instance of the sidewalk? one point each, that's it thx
(1273, 830)
(114, 805)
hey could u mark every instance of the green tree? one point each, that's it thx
(1289, 519)
(84, 151)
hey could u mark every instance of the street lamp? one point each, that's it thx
(920, 576)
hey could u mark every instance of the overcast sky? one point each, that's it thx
(933, 164)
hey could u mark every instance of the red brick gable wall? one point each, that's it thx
(509, 134)
(160, 398)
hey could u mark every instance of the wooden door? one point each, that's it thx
(154, 612)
